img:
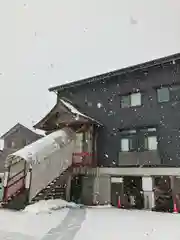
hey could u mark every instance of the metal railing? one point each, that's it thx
(15, 185)
(82, 159)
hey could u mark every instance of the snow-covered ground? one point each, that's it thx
(111, 223)
(48, 206)
(101, 223)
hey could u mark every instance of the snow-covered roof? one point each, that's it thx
(76, 112)
(39, 150)
(68, 114)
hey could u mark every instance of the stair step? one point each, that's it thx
(54, 190)
(53, 194)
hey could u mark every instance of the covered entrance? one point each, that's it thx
(65, 114)
(127, 190)
(133, 193)
(117, 195)
(163, 194)
(86, 129)
(76, 189)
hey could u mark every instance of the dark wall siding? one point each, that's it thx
(165, 116)
(21, 137)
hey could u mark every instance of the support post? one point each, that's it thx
(68, 187)
(96, 187)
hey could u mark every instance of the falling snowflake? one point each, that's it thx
(99, 105)
(77, 117)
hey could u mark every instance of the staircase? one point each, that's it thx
(55, 190)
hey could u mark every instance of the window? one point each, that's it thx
(128, 144)
(149, 139)
(163, 94)
(128, 141)
(13, 144)
(135, 99)
(150, 143)
(140, 140)
(125, 101)
(125, 145)
(131, 100)
(166, 94)
(10, 144)
(175, 93)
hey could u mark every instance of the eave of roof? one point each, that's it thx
(70, 109)
(104, 76)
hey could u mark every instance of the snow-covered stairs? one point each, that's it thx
(55, 190)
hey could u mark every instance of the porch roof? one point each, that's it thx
(64, 114)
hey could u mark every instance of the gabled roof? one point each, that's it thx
(63, 114)
(15, 128)
(105, 76)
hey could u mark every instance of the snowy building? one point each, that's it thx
(124, 149)
(132, 134)
(14, 139)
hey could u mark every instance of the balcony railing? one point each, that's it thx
(82, 159)
(139, 158)
(14, 186)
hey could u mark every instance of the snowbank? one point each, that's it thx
(114, 224)
(17, 225)
(49, 205)
(101, 206)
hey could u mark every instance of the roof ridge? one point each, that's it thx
(15, 127)
(121, 71)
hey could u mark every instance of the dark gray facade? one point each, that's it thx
(16, 138)
(102, 101)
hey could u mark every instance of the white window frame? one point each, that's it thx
(134, 101)
(159, 97)
(137, 101)
(126, 141)
(150, 145)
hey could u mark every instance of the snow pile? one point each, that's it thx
(17, 225)
(49, 205)
(113, 224)
(101, 206)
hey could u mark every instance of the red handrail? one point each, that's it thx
(82, 154)
(82, 159)
(13, 188)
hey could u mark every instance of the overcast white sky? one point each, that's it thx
(49, 42)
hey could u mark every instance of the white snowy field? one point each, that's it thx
(105, 224)
(28, 226)
(101, 223)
